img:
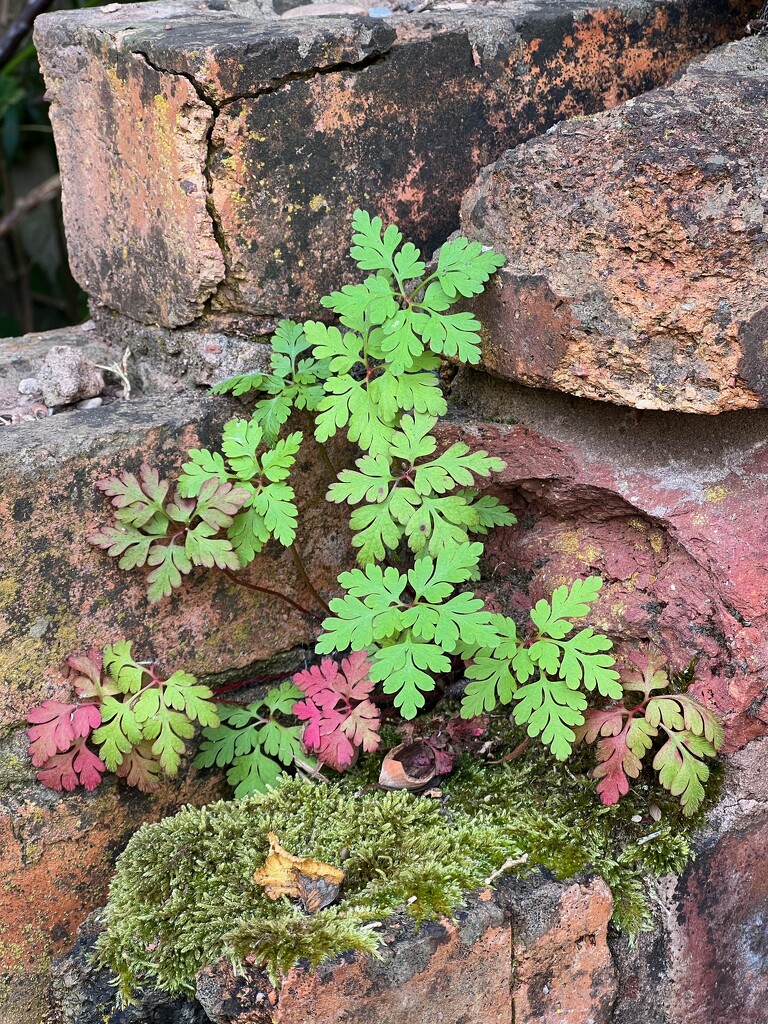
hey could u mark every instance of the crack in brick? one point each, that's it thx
(216, 225)
(276, 84)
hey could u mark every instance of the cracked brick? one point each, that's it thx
(220, 189)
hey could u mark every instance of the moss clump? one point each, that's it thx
(183, 893)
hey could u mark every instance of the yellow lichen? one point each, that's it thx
(714, 495)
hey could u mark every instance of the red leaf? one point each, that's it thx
(55, 726)
(357, 685)
(319, 679)
(462, 730)
(140, 769)
(335, 750)
(616, 765)
(340, 718)
(51, 730)
(78, 766)
(645, 671)
(601, 722)
(85, 673)
(362, 726)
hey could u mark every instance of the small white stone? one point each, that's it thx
(29, 386)
(89, 403)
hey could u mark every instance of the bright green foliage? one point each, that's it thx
(296, 381)
(396, 325)
(183, 893)
(146, 718)
(546, 676)
(269, 508)
(256, 742)
(170, 534)
(406, 494)
(626, 731)
(409, 621)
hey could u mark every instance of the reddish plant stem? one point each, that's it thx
(253, 681)
(514, 754)
(327, 459)
(307, 581)
(273, 593)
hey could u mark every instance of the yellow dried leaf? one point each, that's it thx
(283, 874)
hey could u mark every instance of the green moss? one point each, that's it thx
(183, 893)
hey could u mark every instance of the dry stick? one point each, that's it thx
(307, 581)
(519, 749)
(19, 28)
(266, 590)
(40, 194)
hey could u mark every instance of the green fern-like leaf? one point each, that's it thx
(296, 381)
(413, 499)
(257, 476)
(411, 638)
(254, 743)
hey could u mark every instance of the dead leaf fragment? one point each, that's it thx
(313, 883)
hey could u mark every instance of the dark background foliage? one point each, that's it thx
(37, 291)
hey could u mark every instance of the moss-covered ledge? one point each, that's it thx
(183, 900)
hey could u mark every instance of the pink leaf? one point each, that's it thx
(336, 751)
(140, 769)
(461, 730)
(78, 766)
(318, 678)
(616, 765)
(51, 731)
(86, 673)
(356, 668)
(340, 718)
(55, 726)
(310, 713)
(85, 719)
(601, 722)
(362, 726)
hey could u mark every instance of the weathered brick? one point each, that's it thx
(57, 854)
(563, 966)
(638, 246)
(60, 595)
(261, 135)
(668, 508)
(444, 972)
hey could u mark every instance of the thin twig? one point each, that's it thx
(511, 862)
(20, 28)
(273, 593)
(120, 370)
(241, 683)
(40, 194)
(327, 459)
(513, 754)
(307, 581)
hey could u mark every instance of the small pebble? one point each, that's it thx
(89, 403)
(636, 817)
(29, 386)
(379, 12)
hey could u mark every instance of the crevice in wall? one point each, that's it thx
(276, 84)
(218, 231)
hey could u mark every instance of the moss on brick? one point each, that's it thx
(183, 894)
